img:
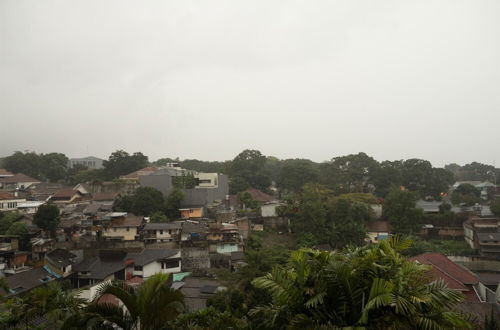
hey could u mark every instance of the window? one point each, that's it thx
(128, 228)
(161, 232)
(166, 264)
(138, 268)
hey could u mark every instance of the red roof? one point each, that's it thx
(134, 281)
(453, 275)
(4, 172)
(105, 196)
(129, 221)
(108, 299)
(260, 196)
(19, 177)
(7, 196)
(65, 193)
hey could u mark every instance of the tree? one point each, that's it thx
(159, 216)
(350, 173)
(495, 207)
(21, 230)
(295, 173)
(54, 166)
(466, 194)
(399, 208)
(209, 318)
(146, 201)
(6, 221)
(173, 203)
(121, 162)
(28, 163)
(347, 217)
(371, 287)
(47, 217)
(151, 306)
(248, 169)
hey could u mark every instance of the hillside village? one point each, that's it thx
(98, 239)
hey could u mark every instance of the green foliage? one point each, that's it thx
(446, 247)
(51, 166)
(159, 217)
(184, 181)
(151, 306)
(295, 173)
(21, 230)
(495, 207)
(51, 301)
(209, 318)
(473, 172)
(399, 208)
(196, 165)
(247, 201)
(121, 162)
(371, 287)
(173, 203)
(6, 221)
(146, 201)
(248, 170)
(466, 194)
(47, 217)
(350, 173)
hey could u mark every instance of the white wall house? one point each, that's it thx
(166, 262)
(269, 209)
(207, 180)
(9, 202)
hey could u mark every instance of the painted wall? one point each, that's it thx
(269, 210)
(128, 235)
(10, 204)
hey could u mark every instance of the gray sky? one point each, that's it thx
(207, 79)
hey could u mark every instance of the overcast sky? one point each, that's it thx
(207, 79)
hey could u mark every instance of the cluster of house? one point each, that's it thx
(93, 244)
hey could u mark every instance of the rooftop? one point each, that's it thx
(19, 177)
(162, 225)
(129, 220)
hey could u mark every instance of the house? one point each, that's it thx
(13, 261)
(483, 234)
(42, 191)
(193, 212)
(60, 261)
(118, 264)
(193, 231)
(134, 176)
(432, 207)
(455, 276)
(161, 231)
(123, 226)
(90, 162)
(82, 188)
(197, 290)
(66, 196)
(9, 202)
(377, 230)
(153, 261)
(40, 246)
(28, 280)
(18, 181)
(268, 204)
(4, 173)
(29, 207)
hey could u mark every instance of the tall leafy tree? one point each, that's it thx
(173, 203)
(399, 208)
(121, 162)
(47, 217)
(372, 287)
(54, 166)
(151, 306)
(248, 169)
(295, 173)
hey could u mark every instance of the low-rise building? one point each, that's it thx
(377, 230)
(483, 234)
(9, 202)
(66, 196)
(192, 212)
(123, 226)
(161, 231)
(90, 162)
(16, 182)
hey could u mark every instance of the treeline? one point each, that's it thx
(250, 168)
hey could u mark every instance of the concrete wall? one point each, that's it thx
(196, 196)
(269, 210)
(194, 259)
(128, 235)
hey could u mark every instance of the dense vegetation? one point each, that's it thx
(371, 287)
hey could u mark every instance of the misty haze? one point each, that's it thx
(249, 164)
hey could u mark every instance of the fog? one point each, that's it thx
(207, 79)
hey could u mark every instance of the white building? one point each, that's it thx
(90, 162)
(9, 202)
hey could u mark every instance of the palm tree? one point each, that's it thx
(151, 306)
(371, 287)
